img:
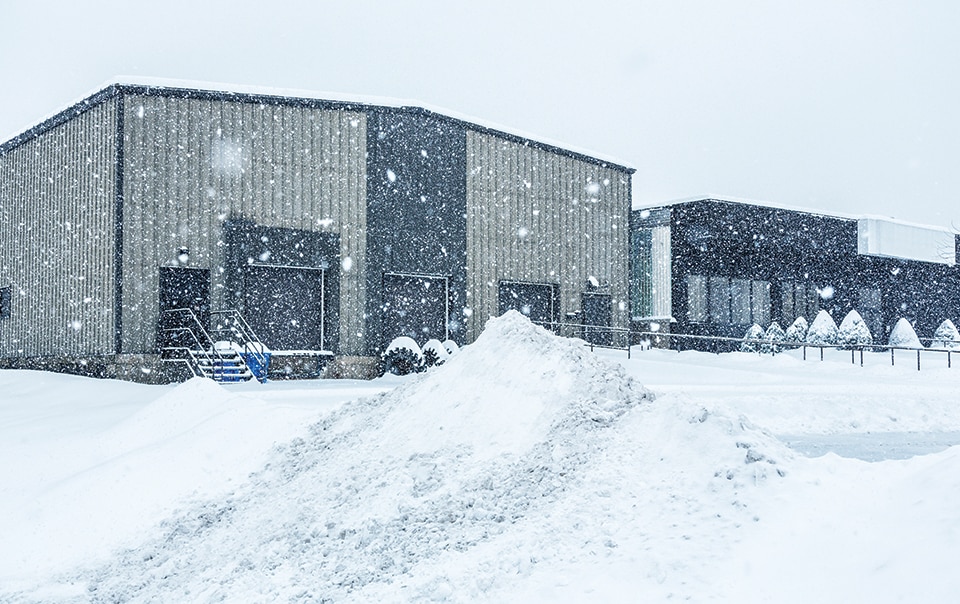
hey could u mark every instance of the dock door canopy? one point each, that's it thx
(285, 306)
(538, 301)
(184, 294)
(416, 306)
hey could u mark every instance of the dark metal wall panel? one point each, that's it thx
(416, 209)
(745, 241)
(543, 217)
(192, 164)
(57, 192)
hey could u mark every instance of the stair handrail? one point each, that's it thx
(208, 352)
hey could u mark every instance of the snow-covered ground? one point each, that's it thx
(525, 469)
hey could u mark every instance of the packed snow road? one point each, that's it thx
(525, 469)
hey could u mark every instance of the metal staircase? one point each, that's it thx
(229, 352)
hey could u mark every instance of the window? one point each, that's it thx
(719, 300)
(5, 302)
(740, 302)
(869, 309)
(641, 279)
(726, 301)
(799, 299)
(696, 298)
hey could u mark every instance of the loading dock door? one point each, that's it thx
(538, 301)
(416, 306)
(284, 306)
(182, 289)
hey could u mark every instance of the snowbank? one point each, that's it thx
(524, 452)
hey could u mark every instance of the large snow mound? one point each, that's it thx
(523, 453)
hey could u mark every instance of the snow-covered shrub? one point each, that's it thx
(403, 356)
(823, 330)
(946, 336)
(903, 335)
(451, 346)
(754, 333)
(434, 353)
(854, 331)
(797, 332)
(773, 339)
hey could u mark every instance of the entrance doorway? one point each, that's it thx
(184, 295)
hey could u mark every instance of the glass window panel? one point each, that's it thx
(696, 298)
(720, 300)
(740, 302)
(786, 300)
(761, 303)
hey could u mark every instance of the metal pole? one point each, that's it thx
(853, 360)
(804, 352)
(918, 359)
(861, 357)
(892, 362)
(821, 353)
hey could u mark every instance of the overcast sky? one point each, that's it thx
(840, 106)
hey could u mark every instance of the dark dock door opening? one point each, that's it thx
(285, 306)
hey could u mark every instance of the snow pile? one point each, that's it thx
(523, 458)
(751, 339)
(903, 335)
(823, 330)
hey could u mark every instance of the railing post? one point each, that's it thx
(918, 359)
(948, 359)
(861, 357)
(804, 352)
(892, 361)
(852, 357)
(821, 353)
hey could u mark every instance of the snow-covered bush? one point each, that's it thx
(451, 346)
(903, 335)
(773, 339)
(434, 353)
(946, 336)
(754, 333)
(403, 356)
(823, 330)
(797, 332)
(854, 331)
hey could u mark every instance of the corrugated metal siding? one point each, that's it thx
(533, 215)
(191, 164)
(57, 196)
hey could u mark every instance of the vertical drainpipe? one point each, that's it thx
(118, 230)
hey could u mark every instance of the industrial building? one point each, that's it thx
(713, 267)
(149, 213)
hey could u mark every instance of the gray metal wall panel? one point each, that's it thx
(533, 215)
(57, 198)
(191, 164)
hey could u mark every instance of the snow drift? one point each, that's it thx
(524, 452)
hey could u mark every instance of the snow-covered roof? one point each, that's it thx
(242, 90)
(791, 208)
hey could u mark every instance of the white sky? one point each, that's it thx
(838, 106)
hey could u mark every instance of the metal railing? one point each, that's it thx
(620, 338)
(200, 347)
(232, 324)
